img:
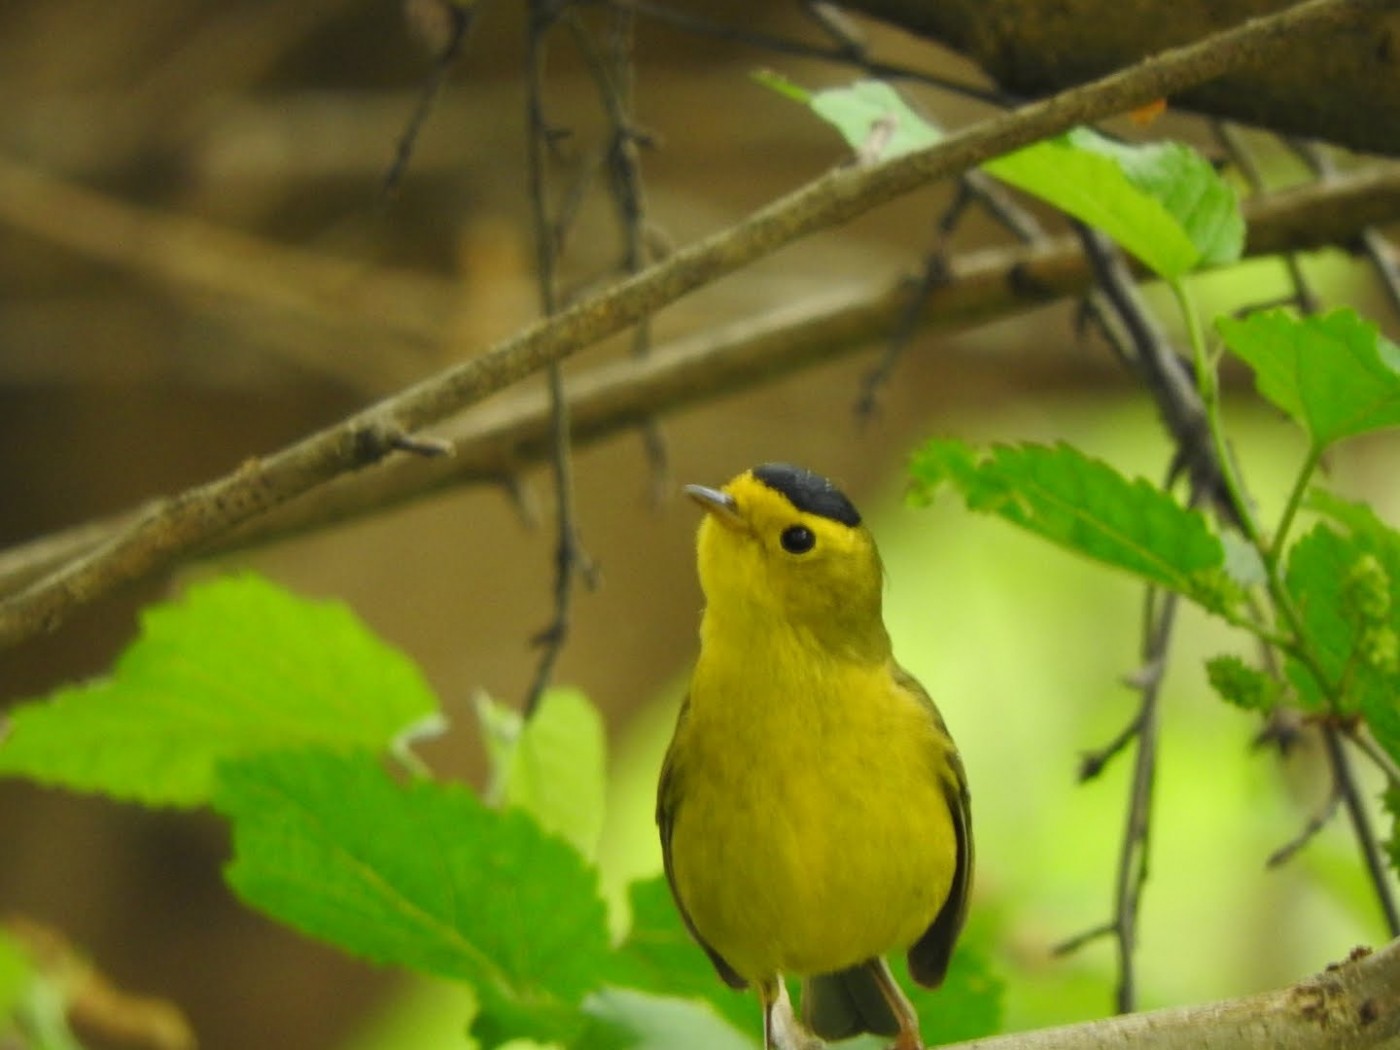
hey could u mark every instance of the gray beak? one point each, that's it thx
(720, 504)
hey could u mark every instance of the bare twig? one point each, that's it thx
(613, 75)
(444, 24)
(1374, 245)
(1372, 854)
(492, 445)
(1316, 823)
(1243, 159)
(973, 186)
(569, 557)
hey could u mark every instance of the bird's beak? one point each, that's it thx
(720, 504)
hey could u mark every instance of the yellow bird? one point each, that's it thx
(813, 809)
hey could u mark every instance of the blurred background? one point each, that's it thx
(170, 172)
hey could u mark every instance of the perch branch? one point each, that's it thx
(1349, 1006)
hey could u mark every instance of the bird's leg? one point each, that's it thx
(908, 1037)
(781, 1028)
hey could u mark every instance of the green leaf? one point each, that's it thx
(1242, 685)
(236, 667)
(968, 1004)
(665, 1023)
(1326, 581)
(1086, 506)
(1162, 202)
(422, 876)
(659, 955)
(553, 766)
(1335, 374)
(15, 977)
(871, 109)
(1371, 538)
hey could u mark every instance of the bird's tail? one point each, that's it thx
(848, 1002)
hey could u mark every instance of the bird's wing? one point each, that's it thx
(669, 794)
(928, 958)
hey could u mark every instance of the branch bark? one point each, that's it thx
(201, 515)
(1337, 84)
(1350, 1005)
(497, 441)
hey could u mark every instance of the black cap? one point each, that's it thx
(808, 492)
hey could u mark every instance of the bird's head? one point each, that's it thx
(782, 546)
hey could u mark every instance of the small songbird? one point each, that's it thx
(813, 809)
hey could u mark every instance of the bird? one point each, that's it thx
(813, 809)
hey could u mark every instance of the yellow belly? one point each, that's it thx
(812, 834)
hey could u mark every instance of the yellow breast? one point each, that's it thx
(811, 829)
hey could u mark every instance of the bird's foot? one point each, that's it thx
(782, 1030)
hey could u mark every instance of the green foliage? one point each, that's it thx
(1242, 685)
(1162, 202)
(1085, 506)
(15, 976)
(279, 713)
(659, 955)
(1334, 375)
(422, 876)
(553, 766)
(234, 668)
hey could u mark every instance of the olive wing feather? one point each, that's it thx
(669, 793)
(929, 957)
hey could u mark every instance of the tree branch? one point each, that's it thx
(493, 443)
(1337, 85)
(178, 526)
(1349, 1006)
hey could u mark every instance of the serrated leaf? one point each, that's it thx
(1162, 202)
(422, 876)
(235, 667)
(1334, 374)
(1240, 684)
(552, 766)
(1086, 506)
(1320, 567)
(1375, 538)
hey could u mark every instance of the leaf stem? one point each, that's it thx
(1290, 510)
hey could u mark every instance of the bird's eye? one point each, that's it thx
(797, 539)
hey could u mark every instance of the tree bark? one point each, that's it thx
(1341, 85)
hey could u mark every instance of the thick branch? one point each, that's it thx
(1337, 84)
(496, 441)
(1351, 1005)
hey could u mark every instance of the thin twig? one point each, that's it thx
(1374, 245)
(569, 558)
(613, 74)
(202, 514)
(451, 22)
(1316, 823)
(1361, 736)
(1237, 149)
(1372, 854)
(973, 187)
